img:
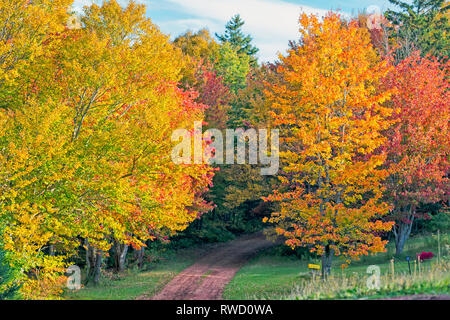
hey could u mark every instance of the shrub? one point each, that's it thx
(8, 285)
(425, 256)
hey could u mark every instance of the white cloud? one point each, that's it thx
(182, 25)
(272, 23)
(79, 4)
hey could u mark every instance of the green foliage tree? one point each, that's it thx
(237, 189)
(422, 24)
(232, 66)
(8, 289)
(234, 36)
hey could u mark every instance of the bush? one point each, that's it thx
(439, 221)
(425, 256)
(210, 231)
(301, 253)
(8, 287)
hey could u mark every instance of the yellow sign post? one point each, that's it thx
(314, 266)
(314, 270)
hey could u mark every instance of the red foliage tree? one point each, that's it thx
(418, 144)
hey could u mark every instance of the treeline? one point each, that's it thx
(88, 110)
(89, 104)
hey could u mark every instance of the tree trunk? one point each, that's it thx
(98, 267)
(401, 234)
(326, 261)
(140, 257)
(120, 256)
(94, 259)
(87, 259)
(52, 250)
(402, 231)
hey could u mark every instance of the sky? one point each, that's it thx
(271, 23)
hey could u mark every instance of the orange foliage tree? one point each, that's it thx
(331, 117)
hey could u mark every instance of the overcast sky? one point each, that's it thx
(271, 23)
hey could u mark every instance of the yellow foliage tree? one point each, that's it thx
(87, 153)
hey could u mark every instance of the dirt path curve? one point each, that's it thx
(207, 278)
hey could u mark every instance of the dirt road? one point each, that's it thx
(207, 278)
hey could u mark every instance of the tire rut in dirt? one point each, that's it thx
(207, 278)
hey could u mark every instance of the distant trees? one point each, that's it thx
(87, 111)
(420, 25)
(230, 65)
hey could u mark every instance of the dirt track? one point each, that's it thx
(206, 279)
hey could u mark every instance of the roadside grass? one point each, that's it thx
(433, 279)
(135, 283)
(271, 276)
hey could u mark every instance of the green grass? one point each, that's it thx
(134, 283)
(271, 276)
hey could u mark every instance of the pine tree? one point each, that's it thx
(234, 35)
(422, 25)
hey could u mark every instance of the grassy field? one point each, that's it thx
(271, 276)
(274, 276)
(139, 283)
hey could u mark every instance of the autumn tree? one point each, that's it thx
(199, 73)
(330, 112)
(24, 27)
(25, 166)
(241, 187)
(126, 106)
(87, 155)
(199, 45)
(418, 144)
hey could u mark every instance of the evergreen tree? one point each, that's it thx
(8, 290)
(232, 67)
(422, 24)
(234, 35)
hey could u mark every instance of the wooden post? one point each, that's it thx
(392, 269)
(439, 248)
(415, 267)
(420, 267)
